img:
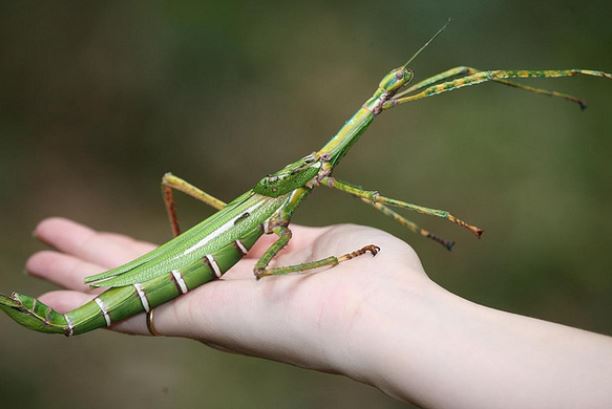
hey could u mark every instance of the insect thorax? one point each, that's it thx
(289, 178)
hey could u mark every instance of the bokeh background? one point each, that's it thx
(99, 99)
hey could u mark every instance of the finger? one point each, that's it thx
(136, 325)
(63, 300)
(69, 271)
(138, 246)
(234, 314)
(83, 242)
(62, 269)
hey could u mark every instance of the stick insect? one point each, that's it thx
(209, 249)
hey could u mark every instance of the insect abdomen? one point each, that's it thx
(119, 303)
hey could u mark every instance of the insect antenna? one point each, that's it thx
(427, 43)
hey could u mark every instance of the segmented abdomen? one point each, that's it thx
(119, 303)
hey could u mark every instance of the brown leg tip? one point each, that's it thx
(476, 231)
(373, 249)
(370, 248)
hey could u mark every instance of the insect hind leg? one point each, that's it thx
(169, 184)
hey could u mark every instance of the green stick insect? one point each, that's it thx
(209, 249)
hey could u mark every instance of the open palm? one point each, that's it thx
(293, 318)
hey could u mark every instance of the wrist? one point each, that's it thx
(437, 349)
(395, 331)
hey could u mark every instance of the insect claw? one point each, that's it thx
(448, 244)
(373, 249)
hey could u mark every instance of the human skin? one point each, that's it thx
(379, 320)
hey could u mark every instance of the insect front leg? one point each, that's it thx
(498, 76)
(466, 71)
(284, 236)
(170, 183)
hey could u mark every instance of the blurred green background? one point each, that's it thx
(99, 99)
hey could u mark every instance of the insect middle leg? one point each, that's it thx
(284, 236)
(410, 225)
(170, 183)
(375, 197)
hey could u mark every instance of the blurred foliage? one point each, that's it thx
(99, 99)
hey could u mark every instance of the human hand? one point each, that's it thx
(313, 320)
(378, 320)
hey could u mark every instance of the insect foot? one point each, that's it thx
(371, 248)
